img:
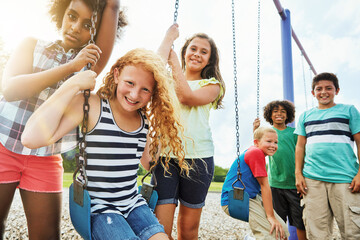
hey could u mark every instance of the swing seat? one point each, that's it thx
(80, 215)
(239, 204)
(149, 194)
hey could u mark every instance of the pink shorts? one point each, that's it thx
(34, 173)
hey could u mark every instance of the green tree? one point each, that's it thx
(220, 174)
(141, 170)
(69, 161)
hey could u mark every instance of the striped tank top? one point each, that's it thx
(113, 161)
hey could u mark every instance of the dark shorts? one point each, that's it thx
(192, 190)
(287, 205)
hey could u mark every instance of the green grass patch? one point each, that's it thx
(214, 186)
(68, 179)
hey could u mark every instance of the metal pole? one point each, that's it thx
(288, 86)
(283, 16)
(303, 51)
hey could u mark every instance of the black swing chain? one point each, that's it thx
(152, 164)
(303, 73)
(310, 77)
(175, 20)
(236, 91)
(258, 65)
(93, 22)
(176, 10)
(81, 157)
(235, 85)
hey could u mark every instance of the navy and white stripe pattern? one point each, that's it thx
(14, 115)
(335, 130)
(113, 161)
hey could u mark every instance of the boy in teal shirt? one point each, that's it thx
(327, 170)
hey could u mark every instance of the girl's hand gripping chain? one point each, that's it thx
(89, 54)
(83, 80)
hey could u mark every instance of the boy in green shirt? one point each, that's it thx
(286, 200)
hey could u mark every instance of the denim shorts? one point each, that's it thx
(140, 224)
(191, 191)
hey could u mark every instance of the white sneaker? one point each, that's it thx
(248, 237)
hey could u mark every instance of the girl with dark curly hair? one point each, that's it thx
(33, 73)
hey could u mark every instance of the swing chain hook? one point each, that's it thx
(238, 178)
(153, 178)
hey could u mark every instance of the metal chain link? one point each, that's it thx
(81, 157)
(235, 89)
(175, 20)
(303, 71)
(310, 77)
(258, 65)
(176, 10)
(93, 27)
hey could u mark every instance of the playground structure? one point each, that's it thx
(238, 198)
(287, 32)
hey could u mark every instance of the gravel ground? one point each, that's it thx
(215, 224)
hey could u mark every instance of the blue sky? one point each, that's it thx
(329, 30)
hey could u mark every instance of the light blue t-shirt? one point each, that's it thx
(329, 153)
